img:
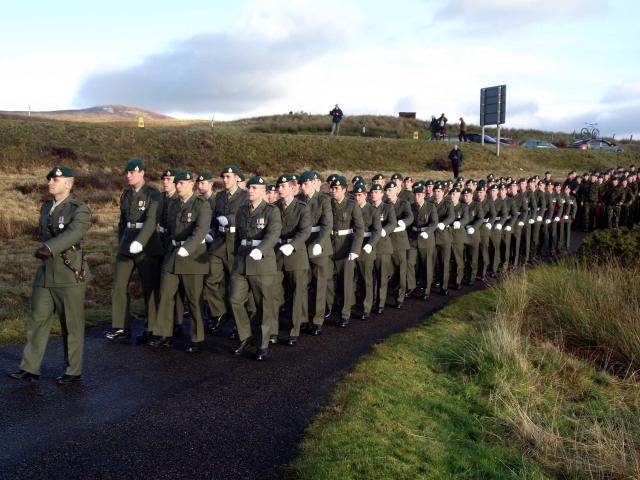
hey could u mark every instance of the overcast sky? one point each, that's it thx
(565, 62)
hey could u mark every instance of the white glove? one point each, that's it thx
(424, 235)
(135, 247)
(547, 221)
(566, 217)
(286, 249)
(539, 218)
(383, 233)
(255, 254)
(353, 256)
(508, 228)
(557, 219)
(471, 230)
(401, 224)
(368, 248)
(208, 238)
(182, 252)
(456, 225)
(498, 226)
(222, 220)
(521, 223)
(531, 221)
(441, 226)
(488, 225)
(316, 249)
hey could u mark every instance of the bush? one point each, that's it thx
(605, 245)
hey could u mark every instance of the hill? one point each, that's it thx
(102, 113)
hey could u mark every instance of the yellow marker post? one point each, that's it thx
(416, 135)
(140, 122)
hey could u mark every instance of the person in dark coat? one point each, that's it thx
(456, 158)
(336, 118)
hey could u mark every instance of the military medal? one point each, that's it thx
(141, 205)
(61, 222)
(188, 216)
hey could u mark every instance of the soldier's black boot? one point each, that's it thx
(118, 334)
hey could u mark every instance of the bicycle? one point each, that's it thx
(590, 131)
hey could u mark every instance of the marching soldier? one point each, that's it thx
(384, 248)
(502, 212)
(459, 234)
(186, 263)
(569, 215)
(292, 255)
(422, 240)
(540, 202)
(399, 239)
(348, 231)
(507, 224)
(473, 227)
(613, 200)
(520, 218)
(319, 247)
(446, 216)
(366, 261)
(222, 247)
(489, 217)
(272, 195)
(258, 226)
(139, 247)
(406, 193)
(60, 281)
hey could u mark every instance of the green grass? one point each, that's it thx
(473, 393)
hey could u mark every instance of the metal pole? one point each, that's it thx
(482, 136)
(498, 143)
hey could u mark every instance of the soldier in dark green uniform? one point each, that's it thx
(422, 240)
(489, 217)
(400, 239)
(258, 225)
(446, 216)
(406, 192)
(186, 263)
(348, 232)
(473, 227)
(139, 247)
(502, 212)
(319, 247)
(365, 263)
(507, 223)
(221, 249)
(520, 218)
(169, 195)
(59, 284)
(613, 200)
(384, 249)
(292, 256)
(569, 216)
(458, 234)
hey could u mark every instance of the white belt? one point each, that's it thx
(161, 229)
(315, 229)
(497, 218)
(282, 240)
(179, 244)
(227, 229)
(137, 225)
(251, 243)
(343, 232)
(419, 229)
(367, 234)
(485, 220)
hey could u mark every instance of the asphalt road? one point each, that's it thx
(148, 413)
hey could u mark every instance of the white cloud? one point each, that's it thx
(625, 92)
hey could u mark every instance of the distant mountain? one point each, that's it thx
(102, 113)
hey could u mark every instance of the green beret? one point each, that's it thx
(205, 176)
(375, 186)
(481, 183)
(271, 188)
(428, 183)
(284, 178)
(396, 176)
(182, 175)
(419, 183)
(357, 179)
(60, 171)
(502, 186)
(240, 177)
(134, 165)
(332, 177)
(378, 176)
(168, 172)
(389, 185)
(408, 179)
(454, 190)
(307, 176)
(460, 178)
(556, 184)
(230, 169)
(481, 187)
(522, 180)
(495, 186)
(338, 181)
(256, 180)
(491, 176)
(418, 189)
(359, 187)
(471, 181)
(438, 186)
(466, 190)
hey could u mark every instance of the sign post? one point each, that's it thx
(140, 122)
(493, 107)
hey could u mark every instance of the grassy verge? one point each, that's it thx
(488, 388)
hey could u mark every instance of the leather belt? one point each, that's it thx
(250, 243)
(419, 229)
(137, 225)
(227, 229)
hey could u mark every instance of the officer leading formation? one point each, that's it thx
(285, 257)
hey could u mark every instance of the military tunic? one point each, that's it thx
(421, 254)
(365, 263)
(384, 249)
(459, 238)
(442, 259)
(489, 218)
(400, 242)
(58, 288)
(475, 220)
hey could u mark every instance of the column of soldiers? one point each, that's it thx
(288, 256)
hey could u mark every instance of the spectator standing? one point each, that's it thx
(336, 118)
(462, 136)
(456, 158)
(442, 127)
(433, 126)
